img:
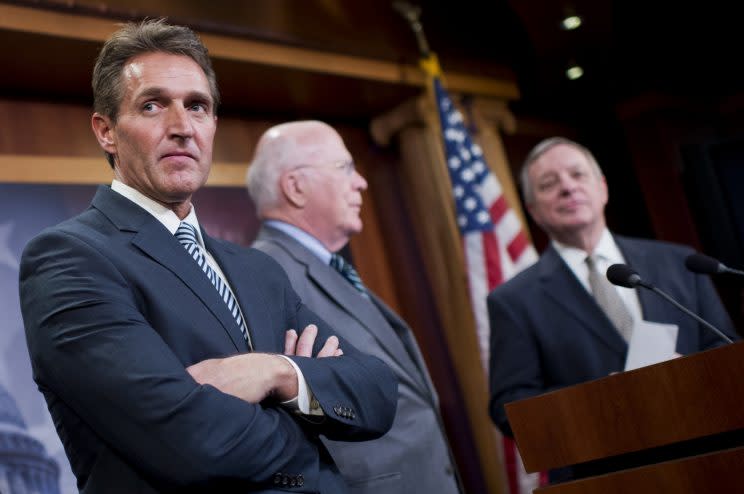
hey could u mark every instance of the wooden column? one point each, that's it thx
(428, 199)
(491, 117)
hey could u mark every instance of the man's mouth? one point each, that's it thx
(179, 154)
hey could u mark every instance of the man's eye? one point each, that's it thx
(547, 185)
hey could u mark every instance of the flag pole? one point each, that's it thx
(412, 14)
(486, 445)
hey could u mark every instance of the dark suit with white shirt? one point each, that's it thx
(115, 309)
(547, 331)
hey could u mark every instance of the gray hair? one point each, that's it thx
(262, 180)
(539, 150)
(275, 153)
(153, 35)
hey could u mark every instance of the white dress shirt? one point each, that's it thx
(607, 253)
(313, 244)
(171, 221)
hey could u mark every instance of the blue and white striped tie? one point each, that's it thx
(186, 234)
(347, 271)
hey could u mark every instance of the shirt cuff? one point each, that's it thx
(305, 401)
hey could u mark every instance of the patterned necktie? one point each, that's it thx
(186, 234)
(347, 271)
(609, 300)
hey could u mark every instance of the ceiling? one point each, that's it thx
(627, 48)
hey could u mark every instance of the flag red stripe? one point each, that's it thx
(493, 260)
(498, 209)
(544, 479)
(510, 462)
(517, 246)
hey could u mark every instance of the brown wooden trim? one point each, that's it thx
(718, 472)
(427, 191)
(38, 21)
(88, 28)
(86, 170)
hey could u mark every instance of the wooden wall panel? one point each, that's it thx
(51, 141)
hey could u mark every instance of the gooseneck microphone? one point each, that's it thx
(623, 275)
(702, 264)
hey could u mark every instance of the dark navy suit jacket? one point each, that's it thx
(115, 310)
(547, 332)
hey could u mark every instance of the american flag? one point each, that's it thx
(494, 242)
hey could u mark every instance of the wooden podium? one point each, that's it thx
(673, 427)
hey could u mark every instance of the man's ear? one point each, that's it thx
(533, 212)
(293, 186)
(103, 129)
(605, 191)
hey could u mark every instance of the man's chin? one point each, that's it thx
(355, 228)
(568, 227)
(184, 187)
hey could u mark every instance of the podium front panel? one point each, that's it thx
(683, 400)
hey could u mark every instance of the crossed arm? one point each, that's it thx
(90, 308)
(253, 377)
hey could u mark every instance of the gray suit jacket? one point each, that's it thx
(413, 457)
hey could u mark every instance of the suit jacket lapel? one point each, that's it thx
(248, 294)
(561, 286)
(347, 298)
(637, 259)
(406, 337)
(154, 240)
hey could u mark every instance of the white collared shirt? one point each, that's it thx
(313, 244)
(171, 222)
(607, 254)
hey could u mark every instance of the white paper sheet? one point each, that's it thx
(651, 343)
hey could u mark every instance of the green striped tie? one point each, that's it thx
(347, 271)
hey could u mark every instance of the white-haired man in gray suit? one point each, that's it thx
(308, 195)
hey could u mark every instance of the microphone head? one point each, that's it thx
(702, 264)
(623, 275)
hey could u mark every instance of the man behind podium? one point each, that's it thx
(163, 354)
(309, 195)
(548, 330)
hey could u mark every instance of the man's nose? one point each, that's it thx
(359, 181)
(179, 122)
(567, 184)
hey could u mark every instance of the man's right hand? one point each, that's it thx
(303, 346)
(254, 377)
